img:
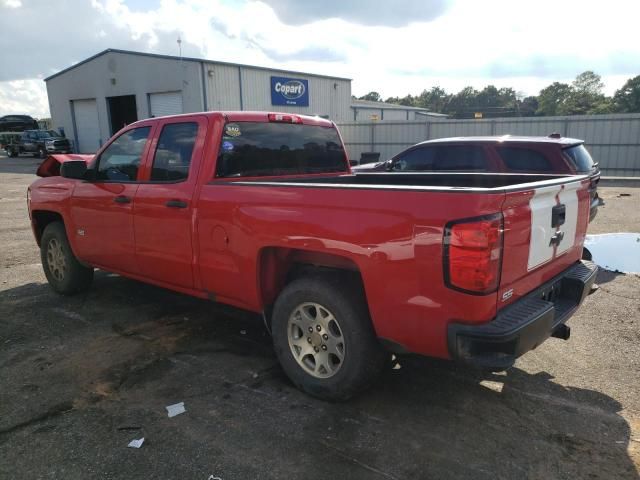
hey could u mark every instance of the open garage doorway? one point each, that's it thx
(122, 111)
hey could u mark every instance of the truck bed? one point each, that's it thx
(425, 181)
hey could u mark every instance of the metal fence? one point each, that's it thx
(613, 140)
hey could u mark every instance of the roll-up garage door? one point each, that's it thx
(87, 126)
(168, 103)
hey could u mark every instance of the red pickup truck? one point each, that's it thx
(261, 211)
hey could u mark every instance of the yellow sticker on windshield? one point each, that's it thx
(232, 130)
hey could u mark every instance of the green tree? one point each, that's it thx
(434, 99)
(463, 103)
(553, 98)
(528, 106)
(627, 99)
(586, 96)
(372, 97)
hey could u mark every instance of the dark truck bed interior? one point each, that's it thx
(426, 180)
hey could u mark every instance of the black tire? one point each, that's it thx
(42, 153)
(586, 254)
(363, 358)
(12, 153)
(73, 277)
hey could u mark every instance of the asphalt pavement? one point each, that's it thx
(82, 376)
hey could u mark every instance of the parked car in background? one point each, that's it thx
(7, 138)
(261, 211)
(40, 143)
(17, 123)
(497, 154)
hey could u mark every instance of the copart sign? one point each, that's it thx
(289, 91)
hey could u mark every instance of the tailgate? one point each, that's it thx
(544, 230)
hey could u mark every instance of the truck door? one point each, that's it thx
(163, 221)
(102, 209)
(29, 142)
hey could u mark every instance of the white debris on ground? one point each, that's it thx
(136, 443)
(617, 252)
(175, 409)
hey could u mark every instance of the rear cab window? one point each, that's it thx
(580, 158)
(255, 149)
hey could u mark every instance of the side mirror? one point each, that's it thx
(74, 169)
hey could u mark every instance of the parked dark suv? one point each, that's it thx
(504, 154)
(17, 123)
(40, 143)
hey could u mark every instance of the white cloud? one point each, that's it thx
(25, 97)
(525, 45)
(11, 3)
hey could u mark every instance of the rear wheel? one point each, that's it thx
(63, 271)
(324, 339)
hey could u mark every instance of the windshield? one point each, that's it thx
(579, 158)
(262, 149)
(47, 134)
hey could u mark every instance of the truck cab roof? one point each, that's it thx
(251, 116)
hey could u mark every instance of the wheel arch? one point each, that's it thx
(41, 218)
(279, 266)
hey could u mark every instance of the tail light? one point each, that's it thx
(279, 117)
(473, 254)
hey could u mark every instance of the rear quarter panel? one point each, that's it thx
(394, 237)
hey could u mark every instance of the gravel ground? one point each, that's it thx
(82, 376)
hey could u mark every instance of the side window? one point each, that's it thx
(524, 159)
(121, 159)
(415, 160)
(580, 158)
(173, 153)
(468, 158)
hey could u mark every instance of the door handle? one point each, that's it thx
(176, 204)
(122, 199)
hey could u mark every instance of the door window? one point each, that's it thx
(414, 160)
(466, 158)
(524, 160)
(173, 154)
(121, 160)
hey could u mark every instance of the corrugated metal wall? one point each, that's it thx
(231, 87)
(223, 86)
(613, 140)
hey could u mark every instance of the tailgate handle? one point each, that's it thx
(556, 239)
(558, 215)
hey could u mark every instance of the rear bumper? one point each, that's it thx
(525, 324)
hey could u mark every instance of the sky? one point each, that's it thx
(394, 48)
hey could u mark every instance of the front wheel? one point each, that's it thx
(63, 271)
(42, 153)
(324, 339)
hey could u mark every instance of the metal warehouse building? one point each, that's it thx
(93, 99)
